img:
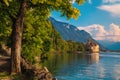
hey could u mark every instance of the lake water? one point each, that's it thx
(103, 66)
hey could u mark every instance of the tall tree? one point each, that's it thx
(16, 10)
(17, 31)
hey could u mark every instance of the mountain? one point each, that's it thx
(70, 32)
(110, 44)
(115, 46)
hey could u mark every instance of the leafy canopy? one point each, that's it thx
(38, 31)
(64, 6)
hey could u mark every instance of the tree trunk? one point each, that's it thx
(17, 30)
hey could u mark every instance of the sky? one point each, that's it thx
(100, 18)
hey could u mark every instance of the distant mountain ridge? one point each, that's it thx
(110, 45)
(70, 32)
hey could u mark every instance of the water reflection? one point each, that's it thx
(92, 58)
(85, 67)
(55, 61)
(116, 72)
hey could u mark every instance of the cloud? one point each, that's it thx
(113, 9)
(98, 32)
(110, 1)
(114, 30)
(94, 30)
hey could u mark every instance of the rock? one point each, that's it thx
(42, 74)
(36, 72)
(48, 76)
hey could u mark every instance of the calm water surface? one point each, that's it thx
(103, 66)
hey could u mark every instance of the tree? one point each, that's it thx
(15, 11)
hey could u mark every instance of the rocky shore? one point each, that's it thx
(29, 71)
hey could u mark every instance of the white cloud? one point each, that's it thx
(110, 1)
(114, 30)
(94, 29)
(98, 32)
(113, 9)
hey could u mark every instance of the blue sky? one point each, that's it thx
(105, 14)
(92, 14)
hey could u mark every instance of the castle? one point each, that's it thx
(92, 47)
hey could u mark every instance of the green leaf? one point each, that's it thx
(6, 2)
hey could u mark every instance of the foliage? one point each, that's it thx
(39, 36)
(75, 46)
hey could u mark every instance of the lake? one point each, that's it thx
(103, 66)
